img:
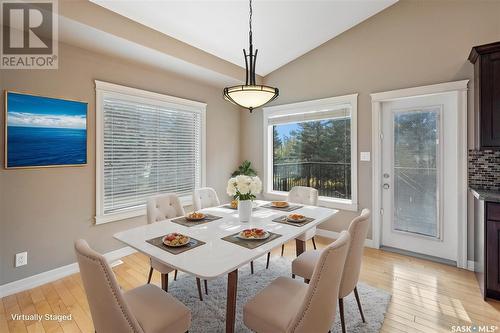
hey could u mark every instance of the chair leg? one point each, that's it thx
(164, 282)
(206, 286)
(314, 243)
(251, 267)
(198, 284)
(150, 275)
(268, 258)
(359, 304)
(306, 281)
(175, 275)
(341, 310)
(293, 276)
(282, 249)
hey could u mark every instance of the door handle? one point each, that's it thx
(386, 186)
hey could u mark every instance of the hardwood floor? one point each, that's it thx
(426, 296)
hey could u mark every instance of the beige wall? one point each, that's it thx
(43, 210)
(412, 43)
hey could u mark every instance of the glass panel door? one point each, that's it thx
(416, 171)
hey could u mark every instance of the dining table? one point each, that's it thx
(217, 256)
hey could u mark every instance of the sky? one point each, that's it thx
(36, 111)
(285, 129)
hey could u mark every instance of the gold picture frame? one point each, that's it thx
(40, 98)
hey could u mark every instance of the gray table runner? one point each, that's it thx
(284, 219)
(251, 243)
(157, 241)
(185, 222)
(284, 209)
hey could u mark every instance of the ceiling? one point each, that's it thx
(282, 30)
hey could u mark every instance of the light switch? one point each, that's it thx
(364, 156)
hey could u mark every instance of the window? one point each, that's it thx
(147, 143)
(313, 144)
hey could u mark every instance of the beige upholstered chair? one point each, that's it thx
(205, 197)
(303, 266)
(287, 305)
(159, 208)
(145, 309)
(306, 196)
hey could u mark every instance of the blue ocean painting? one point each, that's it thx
(44, 131)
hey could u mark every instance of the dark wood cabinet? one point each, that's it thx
(486, 60)
(487, 247)
(493, 258)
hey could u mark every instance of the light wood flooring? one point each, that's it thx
(426, 296)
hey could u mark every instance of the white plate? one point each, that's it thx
(195, 219)
(296, 221)
(178, 245)
(265, 236)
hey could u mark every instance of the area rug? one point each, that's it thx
(209, 315)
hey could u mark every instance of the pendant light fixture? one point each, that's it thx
(250, 95)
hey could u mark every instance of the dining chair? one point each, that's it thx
(159, 208)
(145, 309)
(306, 196)
(205, 197)
(305, 264)
(287, 305)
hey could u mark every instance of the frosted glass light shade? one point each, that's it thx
(250, 96)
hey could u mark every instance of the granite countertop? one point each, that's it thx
(486, 195)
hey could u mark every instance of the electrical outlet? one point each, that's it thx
(21, 259)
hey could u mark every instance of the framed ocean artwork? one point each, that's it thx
(44, 131)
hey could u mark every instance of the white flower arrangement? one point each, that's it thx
(244, 187)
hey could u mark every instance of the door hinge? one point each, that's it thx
(381, 211)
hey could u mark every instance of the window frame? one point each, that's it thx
(319, 105)
(106, 89)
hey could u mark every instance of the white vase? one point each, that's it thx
(245, 210)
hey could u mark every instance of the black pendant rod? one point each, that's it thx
(251, 58)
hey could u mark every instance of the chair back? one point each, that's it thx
(164, 206)
(358, 230)
(108, 308)
(317, 312)
(205, 197)
(303, 195)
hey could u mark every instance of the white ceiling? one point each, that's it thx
(283, 30)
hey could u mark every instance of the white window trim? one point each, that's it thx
(305, 107)
(138, 95)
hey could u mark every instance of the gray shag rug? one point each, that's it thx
(209, 315)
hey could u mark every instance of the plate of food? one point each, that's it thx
(195, 216)
(253, 234)
(175, 240)
(280, 204)
(297, 218)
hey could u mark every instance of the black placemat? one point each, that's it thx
(183, 221)
(289, 208)
(250, 244)
(157, 241)
(284, 219)
(228, 206)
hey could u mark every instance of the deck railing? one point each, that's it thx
(331, 179)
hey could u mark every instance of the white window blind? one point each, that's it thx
(146, 143)
(148, 149)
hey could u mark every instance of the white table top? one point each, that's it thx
(217, 256)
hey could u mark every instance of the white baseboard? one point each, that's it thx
(335, 235)
(55, 274)
(470, 265)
